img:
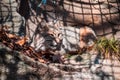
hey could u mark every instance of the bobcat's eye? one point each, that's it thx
(60, 36)
(52, 35)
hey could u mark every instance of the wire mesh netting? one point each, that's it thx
(34, 19)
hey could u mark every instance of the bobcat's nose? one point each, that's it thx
(54, 43)
(57, 40)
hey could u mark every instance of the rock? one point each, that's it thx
(23, 67)
(95, 67)
(26, 68)
(11, 18)
(84, 60)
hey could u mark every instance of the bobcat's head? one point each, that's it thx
(48, 39)
(43, 36)
(53, 38)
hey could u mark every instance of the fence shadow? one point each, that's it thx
(33, 19)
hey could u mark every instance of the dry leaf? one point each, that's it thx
(22, 41)
(11, 35)
(10, 40)
(41, 60)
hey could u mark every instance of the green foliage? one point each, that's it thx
(68, 56)
(108, 47)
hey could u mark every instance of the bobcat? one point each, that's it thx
(64, 39)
